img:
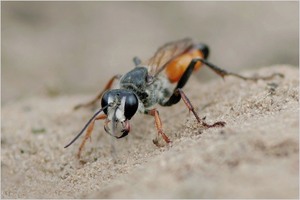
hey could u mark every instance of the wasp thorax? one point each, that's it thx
(123, 104)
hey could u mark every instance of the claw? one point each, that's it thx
(216, 124)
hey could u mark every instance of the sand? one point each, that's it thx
(256, 155)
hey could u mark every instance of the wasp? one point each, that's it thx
(159, 80)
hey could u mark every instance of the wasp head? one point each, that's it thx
(122, 105)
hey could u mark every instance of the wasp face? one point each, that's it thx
(123, 104)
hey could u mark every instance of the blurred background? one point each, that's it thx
(65, 48)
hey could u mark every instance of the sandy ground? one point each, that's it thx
(255, 156)
(58, 54)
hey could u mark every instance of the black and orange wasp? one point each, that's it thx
(158, 81)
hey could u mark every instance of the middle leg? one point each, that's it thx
(94, 101)
(89, 133)
(158, 125)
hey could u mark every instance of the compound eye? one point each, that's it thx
(131, 105)
(104, 101)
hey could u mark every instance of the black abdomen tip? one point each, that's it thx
(204, 49)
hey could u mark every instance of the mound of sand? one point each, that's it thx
(255, 156)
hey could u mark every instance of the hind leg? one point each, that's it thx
(223, 73)
(191, 108)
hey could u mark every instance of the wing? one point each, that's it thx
(167, 53)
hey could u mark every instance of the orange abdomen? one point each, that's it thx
(177, 67)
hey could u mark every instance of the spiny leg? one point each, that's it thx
(93, 101)
(89, 133)
(191, 108)
(158, 125)
(223, 73)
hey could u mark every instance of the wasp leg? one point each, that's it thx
(89, 133)
(186, 75)
(191, 108)
(178, 94)
(223, 73)
(92, 102)
(136, 61)
(158, 125)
